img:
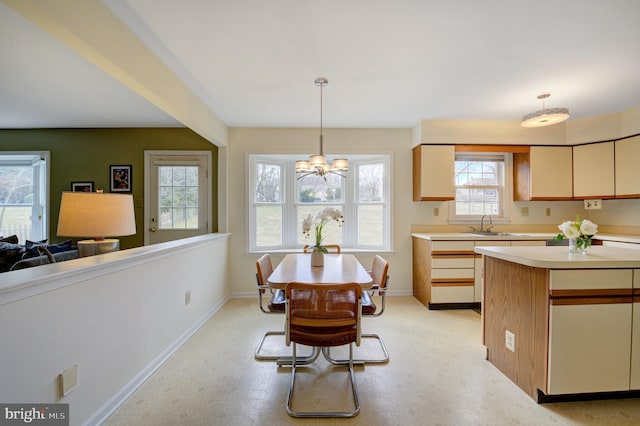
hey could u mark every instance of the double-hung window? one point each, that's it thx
(279, 202)
(480, 182)
(24, 195)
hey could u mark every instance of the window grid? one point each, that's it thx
(479, 185)
(178, 197)
(366, 224)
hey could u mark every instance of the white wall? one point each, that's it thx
(406, 212)
(117, 317)
(303, 142)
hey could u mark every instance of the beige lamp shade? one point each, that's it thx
(96, 215)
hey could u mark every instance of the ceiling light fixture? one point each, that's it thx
(317, 164)
(545, 116)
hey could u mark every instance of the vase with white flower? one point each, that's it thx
(318, 223)
(579, 232)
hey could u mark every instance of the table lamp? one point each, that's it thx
(96, 215)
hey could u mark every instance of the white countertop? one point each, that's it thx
(468, 236)
(558, 257)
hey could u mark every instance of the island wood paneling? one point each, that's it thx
(516, 299)
(421, 270)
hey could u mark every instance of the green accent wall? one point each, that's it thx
(86, 154)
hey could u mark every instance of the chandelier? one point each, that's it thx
(317, 164)
(545, 116)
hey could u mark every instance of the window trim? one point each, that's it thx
(348, 206)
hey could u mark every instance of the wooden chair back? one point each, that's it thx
(379, 271)
(265, 269)
(332, 248)
(323, 315)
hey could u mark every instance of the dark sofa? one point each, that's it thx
(15, 256)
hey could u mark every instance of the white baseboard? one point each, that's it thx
(123, 394)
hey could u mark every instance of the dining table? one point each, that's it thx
(338, 269)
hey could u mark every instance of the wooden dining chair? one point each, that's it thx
(332, 248)
(323, 316)
(379, 275)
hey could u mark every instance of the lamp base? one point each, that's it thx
(93, 247)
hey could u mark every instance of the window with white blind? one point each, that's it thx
(480, 182)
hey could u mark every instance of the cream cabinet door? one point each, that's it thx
(589, 348)
(433, 172)
(635, 346)
(593, 170)
(627, 171)
(551, 172)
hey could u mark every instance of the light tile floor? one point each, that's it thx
(437, 375)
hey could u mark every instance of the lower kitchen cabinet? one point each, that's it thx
(589, 347)
(447, 274)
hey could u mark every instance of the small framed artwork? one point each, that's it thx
(82, 186)
(120, 178)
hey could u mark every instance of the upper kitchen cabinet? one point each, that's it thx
(433, 173)
(627, 154)
(543, 173)
(593, 170)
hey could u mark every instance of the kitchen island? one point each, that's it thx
(558, 324)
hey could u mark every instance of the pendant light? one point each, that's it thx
(545, 116)
(317, 164)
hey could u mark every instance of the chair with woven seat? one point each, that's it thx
(323, 315)
(379, 276)
(331, 248)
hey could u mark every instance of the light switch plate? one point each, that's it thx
(69, 379)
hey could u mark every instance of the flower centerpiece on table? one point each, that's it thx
(327, 215)
(580, 231)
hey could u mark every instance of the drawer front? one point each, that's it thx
(484, 243)
(452, 273)
(591, 279)
(452, 294)
(452, 262)
(456, 246)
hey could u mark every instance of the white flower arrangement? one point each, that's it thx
(322, 218)
(581, 231)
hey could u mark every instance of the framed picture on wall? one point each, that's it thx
(86, 186)
(120, 178)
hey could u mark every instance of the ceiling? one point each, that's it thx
(390, 63)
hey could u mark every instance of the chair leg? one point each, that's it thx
(281, 359)
(342, 414)
(326, 352)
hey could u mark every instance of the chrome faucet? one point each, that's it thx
(482, 223)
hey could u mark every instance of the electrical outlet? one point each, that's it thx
(593, 204)
(524, 211)
(548, 211)
(187, 297)
(436, 211)
(510, 340)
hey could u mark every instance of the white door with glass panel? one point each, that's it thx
(177, 195)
